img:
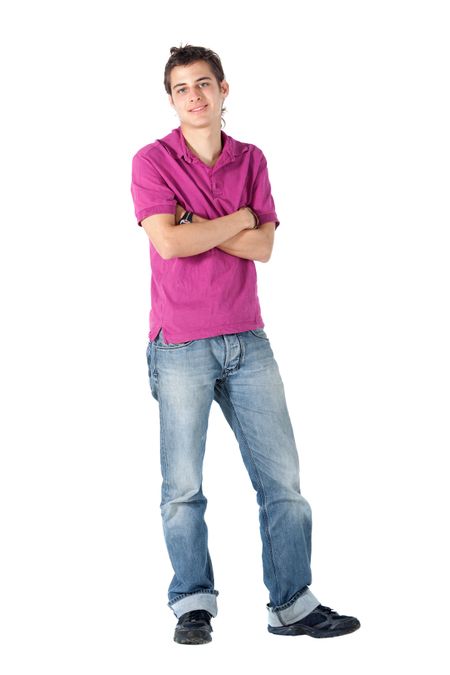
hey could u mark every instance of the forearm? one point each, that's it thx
(249, 244)
(202, 235)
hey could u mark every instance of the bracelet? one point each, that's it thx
(256, 225)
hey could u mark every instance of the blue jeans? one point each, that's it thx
(239, 371)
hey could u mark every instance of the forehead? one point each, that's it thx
(190, 72)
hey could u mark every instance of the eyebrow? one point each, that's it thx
(181, 84)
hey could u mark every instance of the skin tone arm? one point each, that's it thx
(206, 234)
(252, 244)
(175, 241)
(249, 243)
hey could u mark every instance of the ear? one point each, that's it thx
(171, 100)
(224, 88)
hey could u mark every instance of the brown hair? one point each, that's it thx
(183, 56)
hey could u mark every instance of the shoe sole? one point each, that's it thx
(192, 637)
(315, 633)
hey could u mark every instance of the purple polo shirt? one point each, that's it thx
(211, 293)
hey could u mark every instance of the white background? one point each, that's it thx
(350, 103)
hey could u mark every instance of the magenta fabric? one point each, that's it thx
(211, 293)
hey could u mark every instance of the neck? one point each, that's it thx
(205, 143)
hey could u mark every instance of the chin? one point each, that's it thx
(198, 124)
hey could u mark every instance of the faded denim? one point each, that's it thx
(238, 371)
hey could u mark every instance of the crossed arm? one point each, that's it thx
(252, 244)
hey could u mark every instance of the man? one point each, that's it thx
(204, 199)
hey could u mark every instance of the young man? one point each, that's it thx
(204, 199)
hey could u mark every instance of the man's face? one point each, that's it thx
(195, 86)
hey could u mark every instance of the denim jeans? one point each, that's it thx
(238, 371)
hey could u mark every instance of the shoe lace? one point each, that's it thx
(328, 610)
(197, 615)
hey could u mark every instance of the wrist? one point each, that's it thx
(255, 220)
(186, 218)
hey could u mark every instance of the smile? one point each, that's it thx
(199, 109)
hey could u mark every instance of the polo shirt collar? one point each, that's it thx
(230, 148)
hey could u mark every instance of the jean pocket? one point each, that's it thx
(174, 345)
(160, 344)
(259, 333)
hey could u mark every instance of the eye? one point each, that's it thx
(181, 90)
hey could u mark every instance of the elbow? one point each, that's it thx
(165, 255)
(161, 247)
(266, 248)
(164, 252)
(167, 249)
(266, 255)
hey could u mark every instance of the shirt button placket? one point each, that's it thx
(216, 186)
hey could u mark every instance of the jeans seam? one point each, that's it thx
(163, 451)
(280, 619)
(264, 506)
(153, 380)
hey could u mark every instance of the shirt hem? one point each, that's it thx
(215, 331)
(268, 218)
(153, 210)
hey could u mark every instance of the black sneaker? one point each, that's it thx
(194, 628)
(322, 622)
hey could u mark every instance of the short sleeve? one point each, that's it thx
(262, 201)
(149, 191)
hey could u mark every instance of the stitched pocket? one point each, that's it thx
(259, 333)
(160, 344)
(173, 345)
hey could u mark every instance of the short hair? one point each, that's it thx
(183, 56)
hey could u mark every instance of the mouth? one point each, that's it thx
(199, 109)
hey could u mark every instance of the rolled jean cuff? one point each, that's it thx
(201, 600)
(300, 605)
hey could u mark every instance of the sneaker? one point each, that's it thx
(194, 628)
(322, 622)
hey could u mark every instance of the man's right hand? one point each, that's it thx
(249, 218)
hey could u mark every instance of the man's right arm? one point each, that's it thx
(179, 241)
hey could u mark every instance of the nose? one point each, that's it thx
(195, 97)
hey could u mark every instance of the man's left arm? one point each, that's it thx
(257, 244)
(252, 244)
